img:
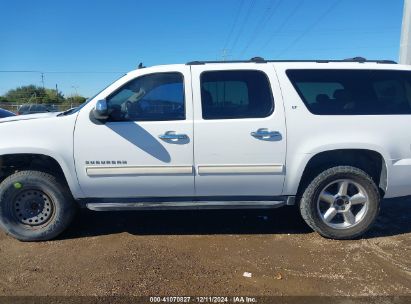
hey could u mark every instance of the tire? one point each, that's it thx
(341, 203)
(35, 206)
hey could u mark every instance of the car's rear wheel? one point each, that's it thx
(341, 203)
(35, 206)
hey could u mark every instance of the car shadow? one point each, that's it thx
(394, 219)
(140, 138)
(187, 222)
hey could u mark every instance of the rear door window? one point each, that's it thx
(235, 94)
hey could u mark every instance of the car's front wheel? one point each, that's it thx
(341, 203)
(35, 206)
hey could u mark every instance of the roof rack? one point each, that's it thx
(262, 60)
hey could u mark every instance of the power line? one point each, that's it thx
(283, 24)
(224, 54)
(84, 72)
(234, 24)
(261, 25)
(308, 29)
(335, 48)
(332, 31)
(59, 72)
(250, 9)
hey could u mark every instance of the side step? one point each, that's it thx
(185, 205)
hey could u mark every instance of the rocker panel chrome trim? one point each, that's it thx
(138, 170)
(232, 169)
(185, 205)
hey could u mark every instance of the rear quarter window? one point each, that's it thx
(353, 92)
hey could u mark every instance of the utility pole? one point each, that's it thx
(42, 79)
(224, 54)
(75, 89)
(71, 102)
(405, 45)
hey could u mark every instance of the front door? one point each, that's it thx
(239, 129)
(145, 149)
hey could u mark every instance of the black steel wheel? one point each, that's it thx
(35, 206)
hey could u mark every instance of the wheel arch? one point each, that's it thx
(11, 162)
(307, 166)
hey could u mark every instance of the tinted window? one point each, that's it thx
(24, 108)
(38, 108)
(152, 97)
(235, 94)
(354, 92)
(4, 113)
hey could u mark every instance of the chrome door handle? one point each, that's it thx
(263, 133)
(171, 135)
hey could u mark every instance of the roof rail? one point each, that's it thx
(262, 60)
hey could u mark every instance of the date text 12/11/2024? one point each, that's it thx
(203, 299)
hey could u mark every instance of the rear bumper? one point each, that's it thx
(399, 179)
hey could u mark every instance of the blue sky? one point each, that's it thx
(83, 45)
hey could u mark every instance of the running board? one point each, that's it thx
(190, 205)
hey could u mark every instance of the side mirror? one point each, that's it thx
(100, 111)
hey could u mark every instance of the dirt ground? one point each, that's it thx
(207, 252)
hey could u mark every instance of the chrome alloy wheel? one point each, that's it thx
(33, 207)
(342, 204)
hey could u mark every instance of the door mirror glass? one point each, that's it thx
(100, 111)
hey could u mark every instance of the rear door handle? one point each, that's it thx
(171, 135)
(264, 133)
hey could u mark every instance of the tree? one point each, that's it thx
(52, 96)
(34, 94)
(3, 99)
(76, 99)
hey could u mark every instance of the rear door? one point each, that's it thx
(239, 130)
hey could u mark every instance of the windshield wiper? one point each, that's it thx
(67, 112)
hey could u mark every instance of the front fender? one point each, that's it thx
(50, 136)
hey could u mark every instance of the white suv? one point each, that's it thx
(330, 136)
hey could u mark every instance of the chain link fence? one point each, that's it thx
(14, 107)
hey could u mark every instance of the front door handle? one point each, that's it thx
(264, 133)
(171, 135)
